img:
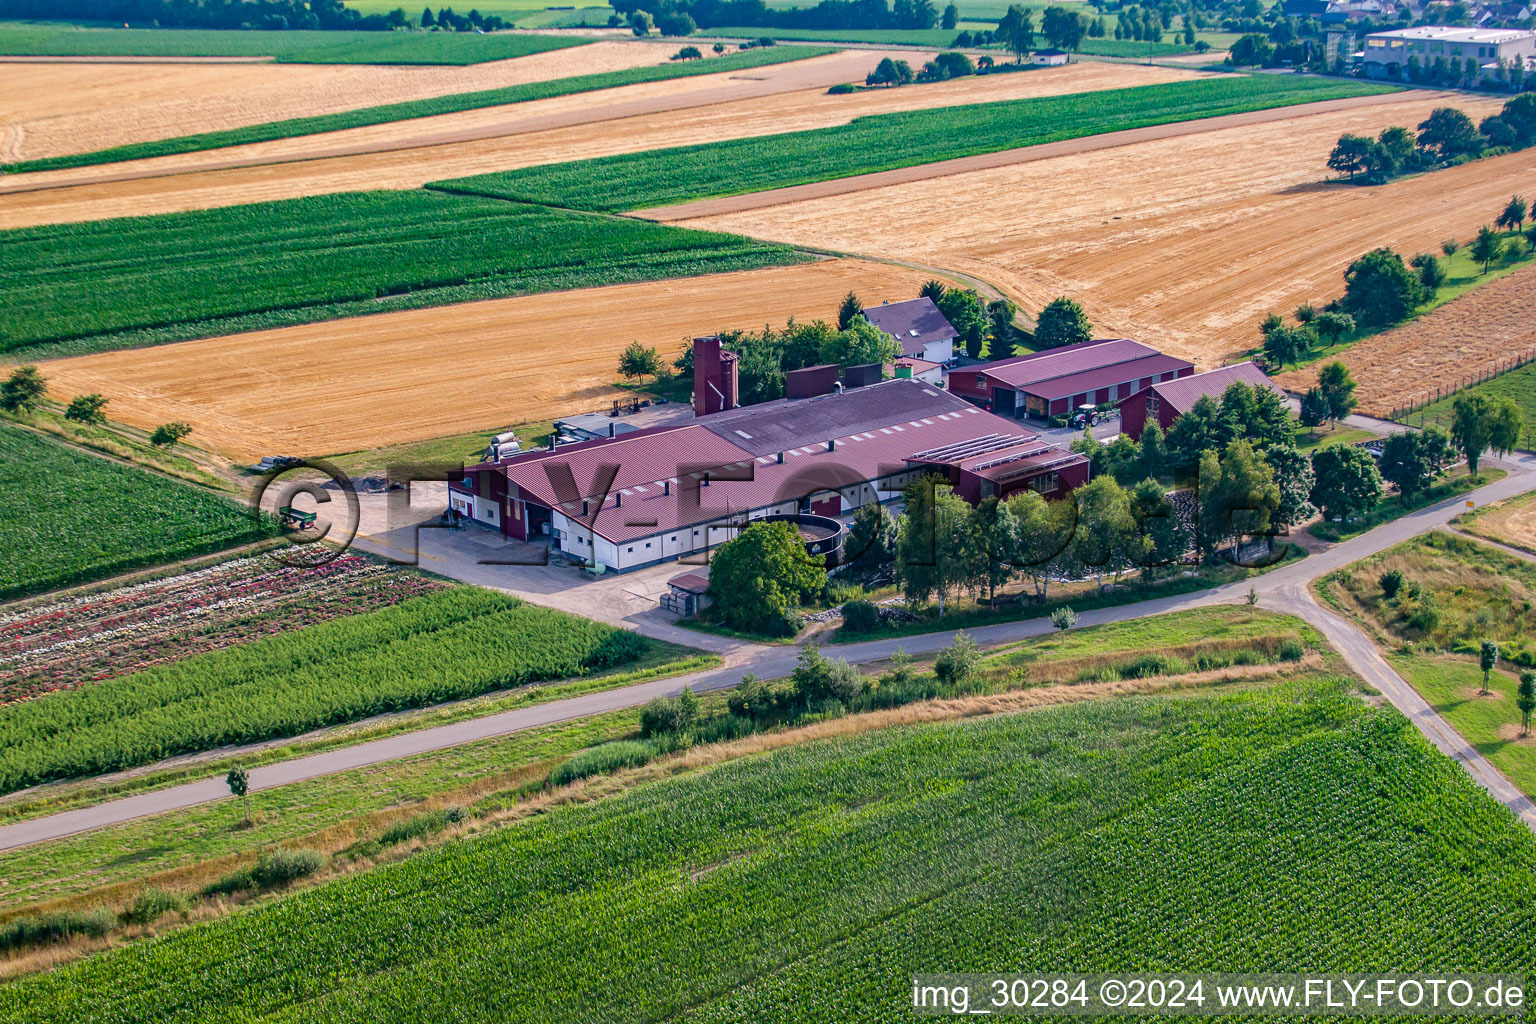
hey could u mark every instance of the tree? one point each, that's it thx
(1040, 534)
(23, 389)
(1016, 31)
(818, 680)
(167, 434)
(1160, 538)
(861, 344)
(1333, 326)
(1154, 449)
(1513, 217)
(1449, 133)
(995, 530)
(1065, 29)
(1348, 482)
(1399, 146)
(678, 23)
(1486, 247)
(890, 72)
(1197, 431)
(1431, 272)
(1520, 114)
(1410, 459)
(1000, 314)
(1314, 408)
(239, 782)
(687, 52)
(759, 577)
(1256, 413)
(872, 535)
(87, 409)
(1283, 345)
(637, 361)
(1106, 535)
(1238, 496)
(1449, 247)
(1062, 322)
(967, 314)
(1064, 617)
(1351, 154)
(1487, 658)
(1292, 473)
(1525, 700)
(932, 290)
(1379, 289)
(850, 308)
(950, 19)
(1338, 389)
(1479, 423)
(1251, 49)
(937, 551)
(641, 22)
(427, 21)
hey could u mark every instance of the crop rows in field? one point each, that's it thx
(451, 104)
(441, 646)
(292, 46)
(1288, 829)
(79, 640)
(882, 142)
(69, 517)
(138, 280)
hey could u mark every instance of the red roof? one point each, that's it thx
(1035, 367)
(1090, 381)
(1184, 392)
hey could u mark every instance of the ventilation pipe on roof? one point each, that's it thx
(837, 387)
(704, 480)
(618, 499)
(552, 441)
(613, 430)
(781, 458)
(583, 506)
(831, 445)
(666, 487)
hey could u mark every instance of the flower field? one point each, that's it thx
(69, 517)
(80, 640)
(1292, 828)
(881, 142)
(144, 280)
(445, 645)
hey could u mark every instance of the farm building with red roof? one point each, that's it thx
(1058, 380)
(657, 494)
(1167, 401)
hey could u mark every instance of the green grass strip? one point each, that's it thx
(661, 177)
(365, 116)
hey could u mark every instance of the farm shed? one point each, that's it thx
(918, 327)
(657, 494)
(1058, 380)
(1168, 401)
(1050, 58)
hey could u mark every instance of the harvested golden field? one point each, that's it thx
(1511, 521)
(1184, 242)
(1483, 326)
(70, 107)
(366, 382)
(568, 128)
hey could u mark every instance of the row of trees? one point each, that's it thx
(1445, 137)
(828, 14)
(226, 14)
(24, 390)
(763, 357)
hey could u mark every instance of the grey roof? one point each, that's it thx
(772, 427)
(913, 323)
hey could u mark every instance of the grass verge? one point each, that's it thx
(1457, 481)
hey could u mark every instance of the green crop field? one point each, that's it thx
(423, 108)
(443, 646)
(68, 517)
(1133, 48)
(880, 142)
(1155, 833)
(930, 37)
(73, 288)
(294, 47)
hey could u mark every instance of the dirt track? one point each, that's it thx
(1486, 324)
(774, 99)
(1184, 242)
(371, 381)
(61, 106)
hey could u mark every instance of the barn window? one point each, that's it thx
(981, 380)
(1154, 405)
(630, 550)
(1044, 483)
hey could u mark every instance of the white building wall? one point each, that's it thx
(939, 351)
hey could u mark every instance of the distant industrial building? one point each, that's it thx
(918, 327)
(1058, 380)
(1167, 401)
(1485, 48)
(656, 494)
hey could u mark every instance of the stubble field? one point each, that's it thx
(1487, 324)
(542, 131)
(362, 383)
(1184, 243)
(52, 109)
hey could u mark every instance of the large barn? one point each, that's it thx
(656, 494)
(1166, 402)
(1058, 380)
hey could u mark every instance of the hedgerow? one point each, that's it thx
(1295, 828)
(443, 646)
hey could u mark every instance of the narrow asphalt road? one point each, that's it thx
(1285, 589)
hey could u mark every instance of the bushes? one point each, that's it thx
(601, 759)
(670, 716)
(153, 904)
(957, 662)
(1391, 582)
(1064, 617)
(818, 679)
(419, 825)
(861, 616)
(37, 929)
(273, 868)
